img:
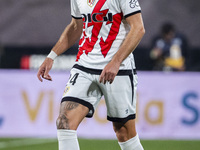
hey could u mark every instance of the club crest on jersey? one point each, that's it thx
(91, 2)
(66, 90)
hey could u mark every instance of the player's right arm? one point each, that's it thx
(68, 38)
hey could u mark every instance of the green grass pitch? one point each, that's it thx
(86, 144)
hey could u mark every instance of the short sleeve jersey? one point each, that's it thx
(104, 30)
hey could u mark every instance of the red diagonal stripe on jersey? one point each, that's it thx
(114, 30)
(89, 43)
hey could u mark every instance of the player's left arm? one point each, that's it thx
(128, 46)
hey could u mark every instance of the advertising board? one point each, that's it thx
(168, 106)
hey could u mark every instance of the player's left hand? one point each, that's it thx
(109, 72)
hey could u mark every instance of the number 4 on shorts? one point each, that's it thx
(73, 79)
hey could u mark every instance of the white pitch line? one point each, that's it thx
(24, 142)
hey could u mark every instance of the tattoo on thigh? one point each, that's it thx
(71, 105)
(63, 122)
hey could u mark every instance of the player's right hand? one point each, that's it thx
(44, 69)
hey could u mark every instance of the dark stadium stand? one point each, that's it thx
(13, 54)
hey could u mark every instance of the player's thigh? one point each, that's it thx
(82, 89)
(71, 114)
(120, 98)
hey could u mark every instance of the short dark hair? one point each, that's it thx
(167, 28)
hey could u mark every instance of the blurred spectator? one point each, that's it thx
(169, 49)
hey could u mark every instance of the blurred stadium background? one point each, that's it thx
(168, 102)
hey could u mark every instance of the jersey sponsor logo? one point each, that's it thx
(97, 17)
(134, 3)
(96, 20)
(91, 2)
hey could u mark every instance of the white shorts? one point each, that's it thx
(83, 87)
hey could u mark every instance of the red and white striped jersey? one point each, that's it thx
(104, 30)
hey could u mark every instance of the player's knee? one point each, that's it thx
(62, 122)
(121, 133)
